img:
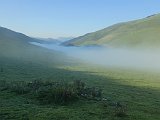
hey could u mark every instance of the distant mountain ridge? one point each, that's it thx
(47, 41)
(138, 33)
(52, 40)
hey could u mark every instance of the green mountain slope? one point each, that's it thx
(138, 33)
(16, 46)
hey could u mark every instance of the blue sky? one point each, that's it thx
(65, 18)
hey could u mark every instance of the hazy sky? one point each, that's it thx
(64, 18)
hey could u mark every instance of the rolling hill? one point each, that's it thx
(138, 33)
(14, 45)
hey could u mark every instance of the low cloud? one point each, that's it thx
(125, 58)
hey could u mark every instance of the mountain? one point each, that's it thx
(9, 36)
(138, 33)
(14, 45)
(52, 40)
(13, 42)
(63, 39)
(47, 41)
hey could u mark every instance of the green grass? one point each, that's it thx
(138, 91)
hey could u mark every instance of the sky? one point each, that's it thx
(70, 18)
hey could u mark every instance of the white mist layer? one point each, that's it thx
(125, 58)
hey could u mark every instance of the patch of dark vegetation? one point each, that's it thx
(62, 93)
(48, 92)
(1, 69)
(119, 109)
(58, 93)
(87, 92)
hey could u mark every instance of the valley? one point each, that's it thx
(126, 78)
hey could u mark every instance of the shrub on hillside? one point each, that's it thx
(19, 87)
(120, 110)
(55, 92)
(87, 92)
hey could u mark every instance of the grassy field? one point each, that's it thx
(138, 91)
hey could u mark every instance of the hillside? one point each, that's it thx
(12, 42)
(139, 33)
(14, 45)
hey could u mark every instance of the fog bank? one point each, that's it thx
(125, 58)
